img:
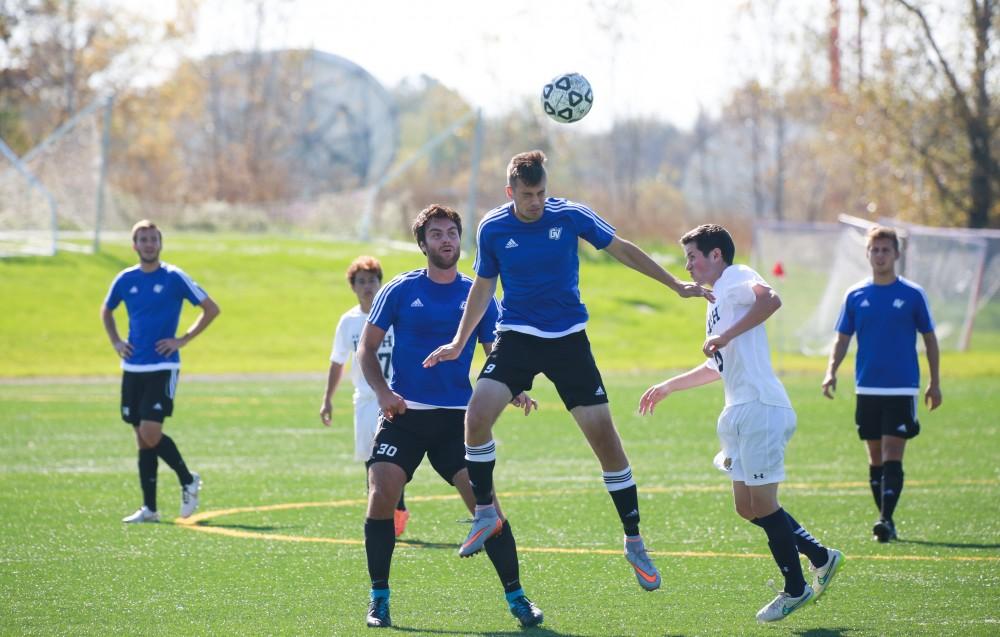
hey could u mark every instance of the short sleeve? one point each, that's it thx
(114, 296)
(592, 228)
(189, 289)
(342, 346)
(845, 323)
(384, 306)
(486, 331)
(922, 314)
(486, 264)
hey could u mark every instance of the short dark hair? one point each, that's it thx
(364, 263)
(433, 211)
(142, 224)
(528, 168)
(883, 232)
(710, 236)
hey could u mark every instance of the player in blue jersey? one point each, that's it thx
(758, 419)
(153, 293)
(887, 312)
(530, 244)
(423, 410)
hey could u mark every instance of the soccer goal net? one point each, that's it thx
(813, 264)
(51, 198)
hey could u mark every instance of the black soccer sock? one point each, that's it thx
(807, 544)
(147, 477)
(480, 460)
(502, 550)
(781, 541)
(621, 487)
(401, 505)
(168, 451)
(892, 487)
(875, 482)
(380, 540)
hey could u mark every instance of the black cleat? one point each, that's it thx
(526, 611)
(378, 613)
(884, 531)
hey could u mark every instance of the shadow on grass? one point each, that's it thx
(427, 545)
(534, 631)
(825, 632)
(953, 545)
(259, 528)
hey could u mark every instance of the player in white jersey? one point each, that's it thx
(758, 419)
(365, 278)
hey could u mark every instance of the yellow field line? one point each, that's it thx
(195, 524)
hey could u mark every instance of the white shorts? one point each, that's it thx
(365, 425)
(753, 437)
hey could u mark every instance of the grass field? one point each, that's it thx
(277, 546)
(69, 566)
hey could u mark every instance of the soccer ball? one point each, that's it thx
(567, 98)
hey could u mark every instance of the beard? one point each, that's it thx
(443, 262)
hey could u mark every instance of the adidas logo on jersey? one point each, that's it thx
(600, 391)
(865, 303)
(511, 244)
(416, 303)
(133, 290)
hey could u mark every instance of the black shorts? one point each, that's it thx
(403, 441)
(567, 361)
(148, 395)
(878, 416)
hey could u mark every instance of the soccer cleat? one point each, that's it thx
(378, 613)
(399, 520)
(485, 525)
(823, 575)
(141, 516)
(784, 605)
(189, 496)
(884, 531)
(646, 574)
(526, 611)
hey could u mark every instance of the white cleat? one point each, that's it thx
(823, 575)
(189, 496)
(784, 605)
(141, 516)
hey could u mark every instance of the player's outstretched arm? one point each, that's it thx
(332, 380)
(700, 375)
(636, 258)
(480, 295)
(932, 395)
(836, 358)
(389, 401)
(766, 303)
(209, 310)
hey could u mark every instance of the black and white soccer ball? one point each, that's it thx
(567, 98)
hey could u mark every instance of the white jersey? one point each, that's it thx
(345, 345)
(745, 363)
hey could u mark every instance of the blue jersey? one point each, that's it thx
(153, 300)
(887, 319)
(423, 315)
(539, 266)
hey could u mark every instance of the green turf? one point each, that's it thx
(70, 567)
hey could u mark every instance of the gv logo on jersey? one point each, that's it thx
(157, 288)
(555, 233)
(898, 303)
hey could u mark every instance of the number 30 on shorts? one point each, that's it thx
(385, 449)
